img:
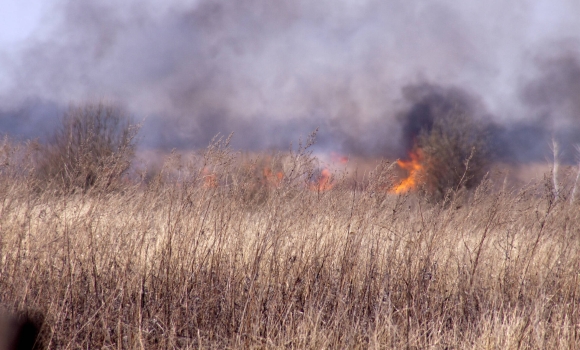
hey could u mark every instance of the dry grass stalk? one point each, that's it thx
(555, 147)
(575, 187)
(177, 264)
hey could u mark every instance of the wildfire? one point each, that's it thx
(209, 179)
(414, 167)
(338, 158)
(323, 182)
(273, 179)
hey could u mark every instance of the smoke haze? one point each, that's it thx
(273, 71)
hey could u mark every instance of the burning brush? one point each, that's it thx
(323, 182)
(414, 168)
(272, 179)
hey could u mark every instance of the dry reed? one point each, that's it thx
(181, 262)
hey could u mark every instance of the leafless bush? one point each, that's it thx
(93, 146)
(455, 153)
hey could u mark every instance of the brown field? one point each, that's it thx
(221, 253)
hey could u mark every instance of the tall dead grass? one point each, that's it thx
(182, 263)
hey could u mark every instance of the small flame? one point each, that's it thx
(414, 167)
(323, 183)
(338, 158)
(209, 179)
(272, 179)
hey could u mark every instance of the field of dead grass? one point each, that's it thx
(241, 261)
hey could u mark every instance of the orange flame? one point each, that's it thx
(414, 167)
(323, 183)
(273, 179)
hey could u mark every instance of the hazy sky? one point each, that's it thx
(19, 19)
(274, 70)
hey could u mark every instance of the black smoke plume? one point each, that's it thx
(429, 102)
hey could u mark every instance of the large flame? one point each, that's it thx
(414, 168)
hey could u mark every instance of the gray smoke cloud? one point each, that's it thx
(552, 100)
(273, 71)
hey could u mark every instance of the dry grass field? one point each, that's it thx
(223, 253)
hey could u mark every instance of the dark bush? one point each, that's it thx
(93, 147)
(455, 153)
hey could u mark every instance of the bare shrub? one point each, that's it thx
(93, 146)
(16, 158)
(455, 153)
